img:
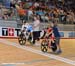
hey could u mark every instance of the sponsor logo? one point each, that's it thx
(11, 31)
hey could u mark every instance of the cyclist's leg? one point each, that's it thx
(31, 34)
(49, 42)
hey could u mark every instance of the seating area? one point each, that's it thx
(7, 10)
(60, 10)
(46, 10)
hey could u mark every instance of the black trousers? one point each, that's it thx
(36, 35)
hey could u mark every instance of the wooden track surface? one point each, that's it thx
(11, 54)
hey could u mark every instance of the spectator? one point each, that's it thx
(30, 14)
(21, 13)
(46, 18)
(40, 12)
(36, 4)
(62, 17)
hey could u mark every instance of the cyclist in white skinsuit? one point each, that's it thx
(26, 27)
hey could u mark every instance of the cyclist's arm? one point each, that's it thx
(48, 33)
(22, 28)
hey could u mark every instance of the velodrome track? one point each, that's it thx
(13, 54)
